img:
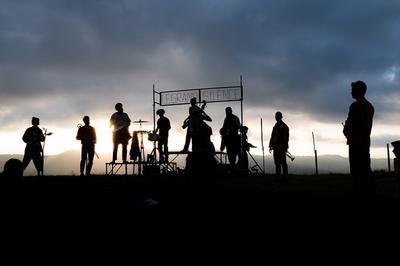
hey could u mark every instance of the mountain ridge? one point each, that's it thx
(67, 163)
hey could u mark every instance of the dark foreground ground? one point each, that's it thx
(304, 208)
(256, 195)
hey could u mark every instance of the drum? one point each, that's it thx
(153, 137)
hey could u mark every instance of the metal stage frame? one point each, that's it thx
(222, 158)
(210, 94)
(115, 168)
(182, 97)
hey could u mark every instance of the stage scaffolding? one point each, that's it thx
(209, 94)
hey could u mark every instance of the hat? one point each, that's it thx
(35, 121)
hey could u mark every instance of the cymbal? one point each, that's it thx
(140, 121)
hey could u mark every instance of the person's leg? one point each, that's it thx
(38, 162)
(160, 151)
(83, 159)
(356, 170)
(115, 151)
(166, 149)
(90, 155)
(187, 141)
(367, 182)
(124, 151)
(277, 164)
(26, 160)
(231, 154)
(284, 166)
(277, 170)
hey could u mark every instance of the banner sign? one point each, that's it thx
(220, 94)
(178, 97)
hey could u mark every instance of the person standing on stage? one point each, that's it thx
(163, 127)
(120, 122)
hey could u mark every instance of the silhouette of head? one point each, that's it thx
(13, 168)
(223, 131)
(86, 120)
(193, 101)
(358, 89)
(160, 112)
(119, 108)
(244, 129)
(278, 116)
(35, 121)
(228, 111)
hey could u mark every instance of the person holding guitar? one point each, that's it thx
(120, 122)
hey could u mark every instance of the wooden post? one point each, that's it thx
(262, 144)
(388, 157)
(315, 155)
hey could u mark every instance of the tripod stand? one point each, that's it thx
(254, 160)
(141, 132)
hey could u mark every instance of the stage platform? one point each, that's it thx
(139, 168)
(219, 155)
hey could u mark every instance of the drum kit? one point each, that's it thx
(152, 136)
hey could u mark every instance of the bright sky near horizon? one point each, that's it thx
(63, 59)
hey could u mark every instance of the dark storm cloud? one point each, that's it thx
(295, 55)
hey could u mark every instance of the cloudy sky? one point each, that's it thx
(61, 60)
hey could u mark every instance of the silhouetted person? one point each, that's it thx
(163, 127)
(121, 122)
(201, 164)
(87, 135)
(243, 162)
(134, 153)
(33, 137)
(279, 143)
(357, 130)
(231, 138)
(188, 123)
(201, 132)
(13, 170)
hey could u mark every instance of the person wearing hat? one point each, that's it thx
(87, 135)
(357, 130)
(121, 122)
(163, 127)
(33, 137)
(279, 143)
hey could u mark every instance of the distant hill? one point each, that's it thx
(67, 163)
